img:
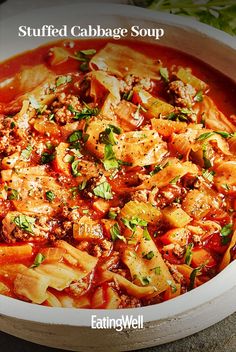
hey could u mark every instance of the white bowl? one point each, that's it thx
(70, 328)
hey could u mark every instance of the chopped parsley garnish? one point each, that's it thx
(82, 186)
(12, 125)
(133, 223)
(226, 187)
(225, 233)
(164, 74)
(68, 158)
(24, 222)
(88, 52)
(103, 191)
(172, 285)
(75, 136)
(188, 254)
(85, 113)
(193, 276)
(207, 162)
(148, 255)
(50, 196)
(224, 134)
(110, 161)
(199, 96)
(112, 215)
(13, 194)
(207, 135)
(26, 153)
(74, 168)
(173, 116)
(38, 260)
(46, 158)
(84, 56)
(204, 136)
(108, 136)
(63, 80)
(115, 233)
(175, 180)
(208, 175)
(146, 234)
(158, 168)
(157, 270)
(128, 95)
(145, 280)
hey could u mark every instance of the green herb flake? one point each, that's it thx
(74, 168)
(188, 254)
(75, 136)
(145, 280)
(207, 162)
(226, 230)
(157, 270)
(103, 191)
(13, 195)
(50, 196)
(115, 233)
(133, 222)
(175, 180)
(85, 113)
(146, 234)
(88, 52)
(172, 285)
(112, 215)
(82, 186)
(63, 80)
(110, 161)
(26, 153)
(204, 136)
(38, 260)
(198, 97)
(148, 255)
(224, 134)
(164, 74)
(68, 158)
(46, 158)
(24, 222)
(208, 175)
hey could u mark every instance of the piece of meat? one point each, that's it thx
(182, 94)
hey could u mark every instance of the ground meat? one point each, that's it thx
(60, 108)
(178, 277)
(168, 194)
(129, 302)
(103, 249)
(182, 94)
(130, 81)
(100, 249)
(79, 287)
(61, 230)
(140, 196)
(111, 262)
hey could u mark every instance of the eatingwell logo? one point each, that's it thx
(119, 324)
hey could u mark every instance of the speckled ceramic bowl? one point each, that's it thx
(70, 328)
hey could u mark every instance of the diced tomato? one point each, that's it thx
(201, 256)
(172, 292)
(219, 216)
(215, 244)
(176, 236)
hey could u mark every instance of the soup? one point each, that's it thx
(118, 174)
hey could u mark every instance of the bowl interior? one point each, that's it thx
(180, 33)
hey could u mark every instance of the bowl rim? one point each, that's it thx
(200, 296)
